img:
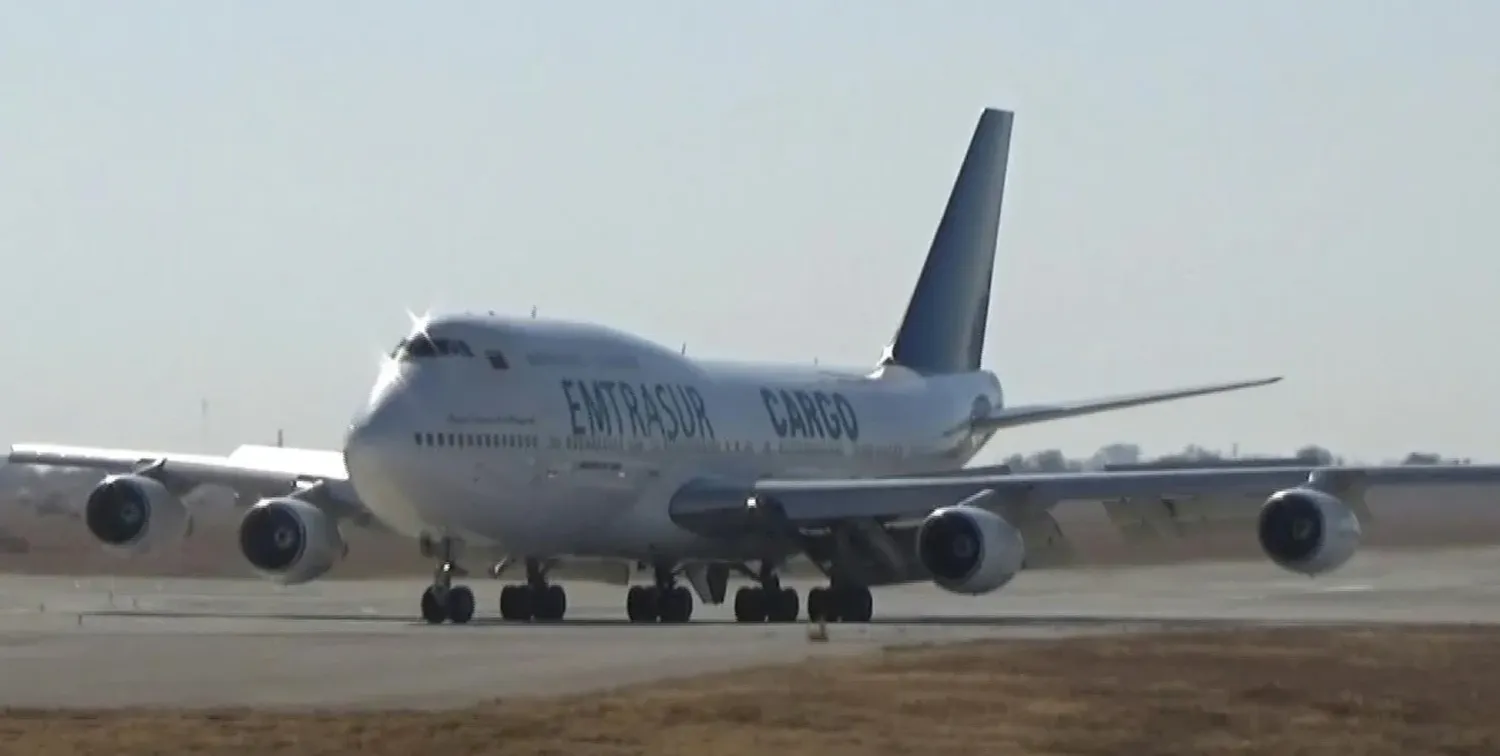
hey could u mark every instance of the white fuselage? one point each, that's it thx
(550, 438)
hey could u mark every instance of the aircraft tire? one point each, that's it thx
(749, 605)
(842, 604)
(676, 605)
(641, 604)
(550, 603)
(517, 603)
(433, 609)
(459, 604)
(855, 604)
(782, 605)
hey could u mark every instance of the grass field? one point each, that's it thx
(1281, 691)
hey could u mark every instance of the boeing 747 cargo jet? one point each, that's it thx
(543, 443)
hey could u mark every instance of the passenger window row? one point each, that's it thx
(477, 440)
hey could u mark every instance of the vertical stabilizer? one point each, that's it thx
(943, 330)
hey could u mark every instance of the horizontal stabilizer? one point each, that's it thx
(1011, 417)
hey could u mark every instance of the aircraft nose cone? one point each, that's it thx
(377, 443)
(383, 460)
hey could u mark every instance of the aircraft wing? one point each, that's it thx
(253, 471)
(822, 502)
(1011, 417)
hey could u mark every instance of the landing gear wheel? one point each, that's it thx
(749, 605)
(460, 604)
(516, 603)
(442, 600)
(549, 603)
(753, 604)
(535, 599)
(456, 604)
(664, 601)
(644, 604)
(676, 605)
(783, 606)
(840, 604)
(856, 604)
(641, 604)
(434, 610)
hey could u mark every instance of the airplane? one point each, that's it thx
(546, 442)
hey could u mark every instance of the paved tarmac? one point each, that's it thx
(67, 642)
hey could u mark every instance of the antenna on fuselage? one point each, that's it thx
(533, 312)
(280, 439)
(684, 349)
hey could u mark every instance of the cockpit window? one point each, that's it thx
(422, 346)
(497, 360)
(453, 347)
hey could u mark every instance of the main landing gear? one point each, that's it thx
(664, 602)
(771, 602)
(536, 599)
(840, 602)
(767, 602)
(443, 600)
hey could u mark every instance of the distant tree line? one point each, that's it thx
(1053, 460)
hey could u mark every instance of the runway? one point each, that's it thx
(95, 642)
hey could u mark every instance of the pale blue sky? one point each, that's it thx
(237, 200)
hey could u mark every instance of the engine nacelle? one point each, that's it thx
(289, 541)
(1307, 531)
(133, 514)
(969, 550)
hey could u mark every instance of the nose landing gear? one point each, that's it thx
(444, 601)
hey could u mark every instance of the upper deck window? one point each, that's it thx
(453, 347)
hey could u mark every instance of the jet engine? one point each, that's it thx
(1307, 531)
(969, 550)
(132, 514)
(290, 541)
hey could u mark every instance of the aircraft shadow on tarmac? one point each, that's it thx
(998, 621)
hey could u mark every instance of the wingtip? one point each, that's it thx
(1258, 382)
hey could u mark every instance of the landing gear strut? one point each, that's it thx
(535, 599)
(443, 600)
(767, 602)
(665, 601)
(840, 602)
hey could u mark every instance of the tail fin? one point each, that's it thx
(943, 330)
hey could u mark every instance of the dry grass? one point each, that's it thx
(1289, 691)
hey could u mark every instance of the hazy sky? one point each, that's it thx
(238, 200)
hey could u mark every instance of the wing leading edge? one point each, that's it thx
(249, 469)
(812, 502)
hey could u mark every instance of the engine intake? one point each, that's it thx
(132, 514)
(1307, 531)
(290, 541)
(969, 550)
